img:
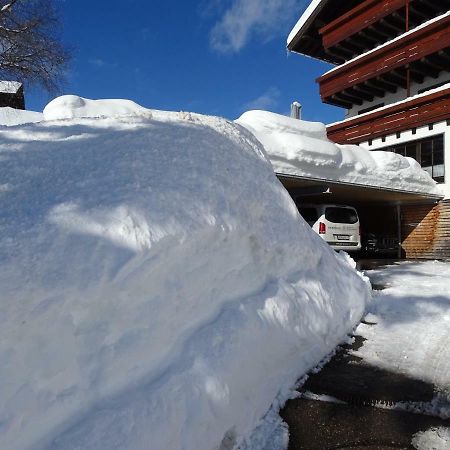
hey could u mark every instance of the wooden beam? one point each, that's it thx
(334, 100)
(438, 61)
(395, 27)
(336, 54)
(377, 83)
(353, 99)
(423, 16)
(374, 92)
(362, 93)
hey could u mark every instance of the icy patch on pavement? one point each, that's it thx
(157, 284)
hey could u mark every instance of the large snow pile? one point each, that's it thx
(10, 116)
(158, 288)
(300, 148)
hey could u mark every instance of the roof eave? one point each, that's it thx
(306, 19)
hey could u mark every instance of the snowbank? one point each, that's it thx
(72, 106)
(158, 288)
(10, 116)
(302, 148)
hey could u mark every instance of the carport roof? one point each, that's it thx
(327, 191)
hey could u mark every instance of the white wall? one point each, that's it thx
(421, 133)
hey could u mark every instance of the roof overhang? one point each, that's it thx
(354, 194)
(304, 37)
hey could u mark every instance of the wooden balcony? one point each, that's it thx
(417, 112)
(364, 15)
(374, 22)
(425, 52)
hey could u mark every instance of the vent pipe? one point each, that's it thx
(296, 110)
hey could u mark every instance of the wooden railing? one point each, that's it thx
(404, 116)
(398, 54)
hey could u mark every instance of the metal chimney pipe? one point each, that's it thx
(296, 110)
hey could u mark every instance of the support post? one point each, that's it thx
(408, 71)
(399, 230)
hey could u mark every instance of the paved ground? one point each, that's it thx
(363, 419)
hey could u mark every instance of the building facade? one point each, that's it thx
(392, 77)
(11, 95)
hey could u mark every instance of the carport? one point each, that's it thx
(404, 217)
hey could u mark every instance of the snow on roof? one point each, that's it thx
(400, 102)
(309, 15)
(11, 116)
(302, 148)
(139, 274)
(73, 106)
(401, 36)
(9, 87)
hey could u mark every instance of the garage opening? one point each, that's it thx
(394, 223)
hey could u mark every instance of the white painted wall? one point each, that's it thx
(421, 133)
(400, 94)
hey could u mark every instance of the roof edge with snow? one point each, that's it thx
(305, 20)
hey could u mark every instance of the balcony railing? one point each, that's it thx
(424, 110)
(424, 50)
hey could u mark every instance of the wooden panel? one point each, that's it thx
(426, 231)
(397, 54)
(415, 113)
(418, 230)
(357, 19)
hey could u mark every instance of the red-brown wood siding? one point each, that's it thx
(415, 113)
(426, 231)
(357, 19)
(418, 227)
(413, 47)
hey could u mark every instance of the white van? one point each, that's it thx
(336, 224)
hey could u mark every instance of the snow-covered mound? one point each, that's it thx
(300, 148)
(10, 116)
(158, 288)
(72, 106)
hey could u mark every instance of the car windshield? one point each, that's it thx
(336, 214)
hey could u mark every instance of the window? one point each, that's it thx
(341, 215)
(429, 153)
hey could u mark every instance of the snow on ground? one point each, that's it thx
(412, 331)
(300, 148)
(10, 116)
(432, 439)
(158, 288)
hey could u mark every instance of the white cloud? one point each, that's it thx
(97, 62)
(246, 18)
(266, 101)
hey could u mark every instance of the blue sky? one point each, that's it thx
(217, 57)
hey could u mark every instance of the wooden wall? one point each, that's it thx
(426, 231)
